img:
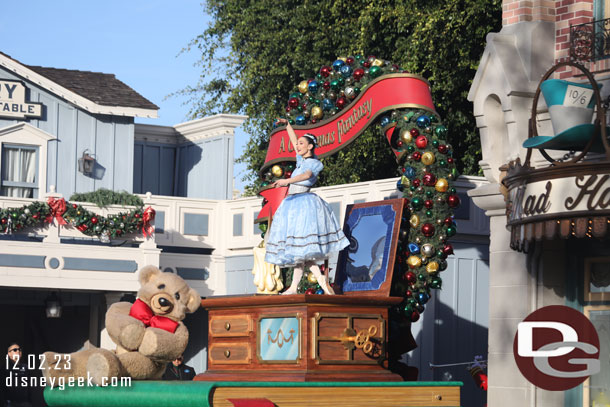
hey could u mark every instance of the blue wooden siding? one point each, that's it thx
(154, 168)
(108, 138)
(205, 168)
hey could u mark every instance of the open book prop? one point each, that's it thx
(571, 108)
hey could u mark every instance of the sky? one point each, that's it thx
(139, 41)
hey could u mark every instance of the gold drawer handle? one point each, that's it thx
(227, 353)
(227, 326)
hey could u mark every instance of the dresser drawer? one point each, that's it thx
(230, 353)
(230, 325)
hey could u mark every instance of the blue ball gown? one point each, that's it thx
(304, 227)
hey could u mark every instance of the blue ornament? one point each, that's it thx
(300, 120)
(399, 185)
(385, 121)
(338, 64)
(327, 104)
(413, 248)
(313, 86)
(319, 291)
(346, 71)
(423, 298)
(423, 121)
(410, 172)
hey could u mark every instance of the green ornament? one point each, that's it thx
(417, 203)
(435, 143)
(451, 230)
(411, 302)
(410, 148)
(14, 215)
(264, 184)
(429, 213)
(452, 190)
(439, 253)
(296, 95)
(356, 90)
(429, 194)
(455, 173)
(440, 131)
(334, 84)
(421, 277)
(442, 163)
(341, 81)
(413, 188)
(442, 265)
(435, 282)
(375, 72)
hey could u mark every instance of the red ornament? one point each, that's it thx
(399, 144)
(371, 58)
(428, 203)
(137, 215)
(448, 221)
(82, 228)
(35, 216)
(453, 201)
(442, 148)
(358, 74)
(293, 102)
(414, 132)
(326, 85)
(447, 250)
(396, 67)
(416, 156)
(427, 230)
(450, 160)
(288, 174)
(349, 60)
(340, 103)
(414, 316)
(366, 64)
(288, 109)
(3, 221)
(310, 291)
(309, 80)
(74, 206)
(410, 277)
(421, 142)
(429, 179)
(416, 182)
(94, 220)
(408, 293)
(325, 71)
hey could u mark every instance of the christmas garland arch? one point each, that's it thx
(425, 159)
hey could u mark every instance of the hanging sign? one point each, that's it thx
(587, 194)
(389, 92)
(13, 102)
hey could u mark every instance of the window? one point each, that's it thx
(595, 389)
(19, 171)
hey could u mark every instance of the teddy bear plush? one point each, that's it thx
(148, 334)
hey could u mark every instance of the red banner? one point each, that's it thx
(389, 92)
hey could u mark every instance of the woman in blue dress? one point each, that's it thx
(304, 230)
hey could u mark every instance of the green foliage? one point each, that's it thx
(104, 197)
(255, 52)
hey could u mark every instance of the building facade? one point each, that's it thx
(560, 258)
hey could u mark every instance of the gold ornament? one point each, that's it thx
(405, 136)
(442, 185)
(377, 62)
(427, 158)
(303, 86)
(277, 171)
(344, 59)
(405, 181)
(427, 250)
(311, 278)
(414, 221)
(317, 112)
(432, 267)
(414, 261)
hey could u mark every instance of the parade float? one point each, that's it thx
(344, 349)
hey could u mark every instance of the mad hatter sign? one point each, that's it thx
(13, 102)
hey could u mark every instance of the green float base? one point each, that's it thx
(281, 394)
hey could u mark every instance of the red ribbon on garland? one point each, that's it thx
(147, 217)
(58, 208)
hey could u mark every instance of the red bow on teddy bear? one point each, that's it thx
(141, 311)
